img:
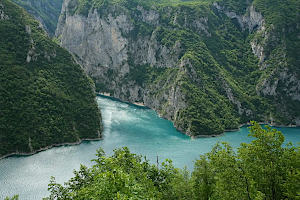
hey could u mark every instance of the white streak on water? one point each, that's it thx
(124, 125)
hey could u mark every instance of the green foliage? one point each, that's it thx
(47, 11)
(259, 170)
(262, 169)
(83, 6)
(121, 176)
(282, 51)
(220, 77)
(238, 6)
(15, 197)
(215, 61)
(279, 13)
(124, 176)
(48, 100)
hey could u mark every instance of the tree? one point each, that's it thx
(268, 163)
(15, 197)
(262, 170)
(203, 179)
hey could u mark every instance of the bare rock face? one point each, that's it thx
(46, 12)
(3, 16)
(280, 80)
(250, 20)
(117, 46)
(289, 80)
(96, 40)
(241, 109)
(149, 16)
(102, 45)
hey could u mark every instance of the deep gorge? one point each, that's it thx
(142, 130)
(206, 66)
(203, 67)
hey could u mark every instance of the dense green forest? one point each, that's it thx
(220, 80)
(46, 11)
(219, 59)
(263, 169)
(45, 97)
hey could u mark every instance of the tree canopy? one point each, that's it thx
(266, 168)
(45, 97)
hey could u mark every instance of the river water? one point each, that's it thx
(140, 129)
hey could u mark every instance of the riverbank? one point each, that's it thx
(142, 106)
(142, 131)
(243, 125)
(49, 147)
(105, 94)
(139, 104)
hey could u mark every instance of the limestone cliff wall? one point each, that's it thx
(280, 80)
(121, 48)
(102, 48)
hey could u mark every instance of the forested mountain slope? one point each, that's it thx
(45, 11)
(207, 65)
(45, 97)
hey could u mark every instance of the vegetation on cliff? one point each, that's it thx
(216, 73)
(45, 97)
(46, 11)
(262, 169)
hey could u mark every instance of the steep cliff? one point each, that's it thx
(276, 43)
(200, 64)
(45, 97)
(280, 57)
(45, 11)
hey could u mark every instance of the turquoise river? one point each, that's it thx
(140, 129)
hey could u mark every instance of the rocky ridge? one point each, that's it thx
(166, 58)
(46, 12)
(46, 99)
